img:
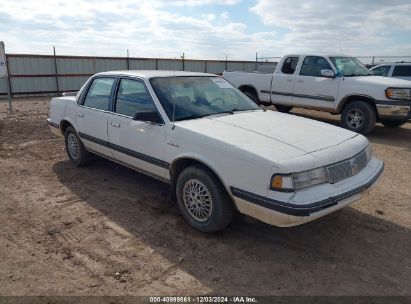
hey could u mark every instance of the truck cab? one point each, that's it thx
(337, 84)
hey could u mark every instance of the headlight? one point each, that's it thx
(398, 93)
(368, 152)
(296, 181)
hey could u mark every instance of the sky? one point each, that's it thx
(206, 29)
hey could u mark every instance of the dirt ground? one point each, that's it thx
(107, 230)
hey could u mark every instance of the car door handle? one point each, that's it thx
(289, 79)
(115, 124)
(80, 115)
(300, 80)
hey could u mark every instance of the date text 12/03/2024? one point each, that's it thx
(201, 299)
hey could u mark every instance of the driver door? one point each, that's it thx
(311, 88)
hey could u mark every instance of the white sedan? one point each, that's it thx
(219, 151)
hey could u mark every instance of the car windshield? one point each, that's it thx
(195, 97)
(349, 66)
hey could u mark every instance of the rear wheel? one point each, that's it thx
(359, 116)
(253, 96)
(203, 200)
(393, 123)
(282, 108)
(75, 148)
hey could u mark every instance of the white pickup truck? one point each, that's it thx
(332, 83)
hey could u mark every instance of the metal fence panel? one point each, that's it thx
(142, 64)
(110, 64)
(235, 66)
(3, 86)
(71, 83)
(170, 64)
(30, 65)
(195, 66)
(33, 84)
(216, 67)
(75, 65)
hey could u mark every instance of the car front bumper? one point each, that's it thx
(287, 214)
(395, 110)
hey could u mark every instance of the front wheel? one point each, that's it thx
(392, 123)
(203, 200)
(282, 108)
(75, 148)
(359, 116)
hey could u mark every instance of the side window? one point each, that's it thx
(289, 65)
(312, 66)
(133, 97)
(402, 70)
(381, 71)
(98, 95)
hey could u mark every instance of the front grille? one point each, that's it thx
(347, 168)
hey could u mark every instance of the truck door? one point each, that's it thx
(313, 90)
(282, 85)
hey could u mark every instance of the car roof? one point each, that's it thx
(153, 73)
(319, 54)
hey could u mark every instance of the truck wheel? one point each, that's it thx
(75, 148)
(283, 109)
(393, 123)
(359, 116)
(202, 200)
(253, 96)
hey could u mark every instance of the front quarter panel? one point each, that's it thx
(234, 169)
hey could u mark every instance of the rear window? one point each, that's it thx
(402, 70)
(289, 65)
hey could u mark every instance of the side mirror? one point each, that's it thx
(148, 116)
(328, 73)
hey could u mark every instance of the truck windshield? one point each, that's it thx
(195, 97)
(350, 66)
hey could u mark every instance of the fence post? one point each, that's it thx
(156, 63)
(256, 61)
(56, 71)
(9, 88)
(128, 60)
(183, 62)
(373, 58)
(226, 62)
(205, 66)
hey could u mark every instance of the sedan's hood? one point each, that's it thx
(269, 134)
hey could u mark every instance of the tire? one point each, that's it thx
(283, 109)
(393, 123)
(75, 148)
(359, 116)
(253, 96)
(206, 215)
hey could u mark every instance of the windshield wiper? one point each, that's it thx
(194, 116)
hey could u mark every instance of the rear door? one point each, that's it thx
(311, 88)
(92, 112)
(282, 84)
(136, 143)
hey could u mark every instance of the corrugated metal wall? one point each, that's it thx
(44, 74)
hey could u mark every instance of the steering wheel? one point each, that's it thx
(215, 100)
